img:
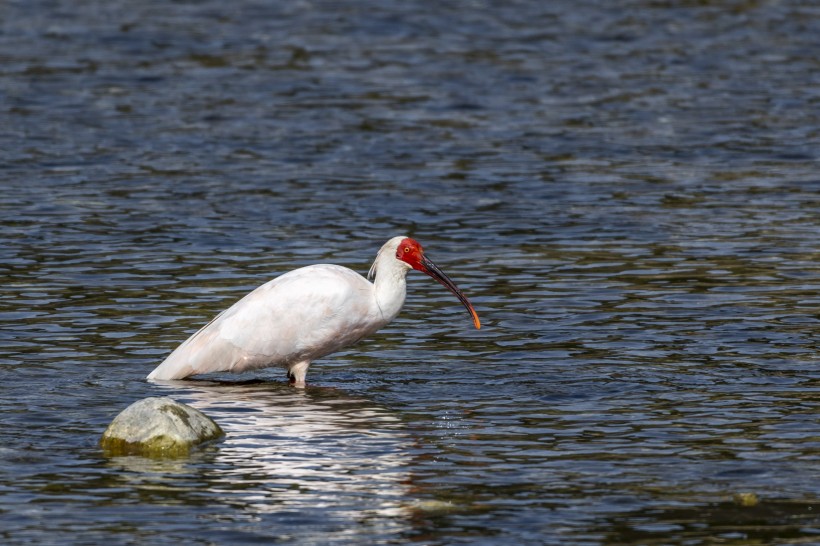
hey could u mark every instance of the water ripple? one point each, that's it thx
(627, 193)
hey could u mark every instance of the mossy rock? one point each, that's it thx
(158, 427)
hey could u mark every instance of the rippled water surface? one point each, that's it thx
(628, 191)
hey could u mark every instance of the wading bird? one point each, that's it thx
(303, 315)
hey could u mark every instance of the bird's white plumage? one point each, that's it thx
(294, 319)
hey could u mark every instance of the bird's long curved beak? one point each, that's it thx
(432, 269)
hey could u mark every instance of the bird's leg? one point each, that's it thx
(297, 373)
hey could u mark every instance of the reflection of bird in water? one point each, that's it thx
(303, 315)
(298, 451)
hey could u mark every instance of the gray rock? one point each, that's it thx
(158, 427)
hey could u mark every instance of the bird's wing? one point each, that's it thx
(302, 315)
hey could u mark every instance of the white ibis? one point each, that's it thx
(303, 315)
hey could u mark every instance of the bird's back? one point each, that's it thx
(299, 316)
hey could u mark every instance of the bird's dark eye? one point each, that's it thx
(406, 249)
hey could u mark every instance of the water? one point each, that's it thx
(628, 192)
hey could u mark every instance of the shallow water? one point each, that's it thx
(628, 194)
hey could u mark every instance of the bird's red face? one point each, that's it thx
(411, 253)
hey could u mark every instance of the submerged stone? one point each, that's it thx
(434, 506)
(746, 499)
(158, 427)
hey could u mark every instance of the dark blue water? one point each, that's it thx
(628, 192)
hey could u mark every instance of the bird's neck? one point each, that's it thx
(390, 286)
